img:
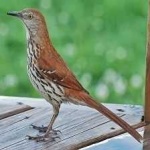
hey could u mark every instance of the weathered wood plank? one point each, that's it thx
(11, 123)
(33, 102)
(14, 110)
(10, 110)
(89, 133)
(146, 144)
(79, 127)
(21, 126)
(110, 135)
(39, 102)
(147, 83)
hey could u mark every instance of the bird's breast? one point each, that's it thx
(48, 89)
(33, 50)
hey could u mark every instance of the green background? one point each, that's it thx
(102, 41)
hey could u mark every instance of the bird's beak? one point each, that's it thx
(14, 13)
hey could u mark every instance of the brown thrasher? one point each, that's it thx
(51, 77)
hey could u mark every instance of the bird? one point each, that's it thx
(52, 78)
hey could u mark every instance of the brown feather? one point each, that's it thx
(51, 68)
(87, 99)
(73, 89)
(51, 61)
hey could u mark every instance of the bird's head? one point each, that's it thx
(32, 19)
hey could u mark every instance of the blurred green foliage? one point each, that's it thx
(103, 42)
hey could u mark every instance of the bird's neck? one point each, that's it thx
(38, 44)
(39, 35)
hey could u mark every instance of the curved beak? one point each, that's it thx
(14, 13)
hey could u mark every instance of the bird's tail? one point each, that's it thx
(105, 111)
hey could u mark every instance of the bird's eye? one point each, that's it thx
(30, 16)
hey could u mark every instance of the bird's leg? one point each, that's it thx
(49, 129)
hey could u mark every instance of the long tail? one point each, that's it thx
(105, 111)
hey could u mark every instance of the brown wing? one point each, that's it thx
(53, 68)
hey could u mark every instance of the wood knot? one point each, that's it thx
(120, 110)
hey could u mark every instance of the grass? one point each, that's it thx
(102, 41)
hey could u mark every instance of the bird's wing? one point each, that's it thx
(53, 68)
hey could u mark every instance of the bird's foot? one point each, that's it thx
(40, 129)
(55, 132)
(43, 138)
(37, 138)
(44, 129)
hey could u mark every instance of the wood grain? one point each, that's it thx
(80, 126)
(13, 110)
(147, 84)
(146, 145)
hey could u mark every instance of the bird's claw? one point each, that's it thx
(44, 129)
(37, 138)
(40, 129)
(55, 132)
(41, 138)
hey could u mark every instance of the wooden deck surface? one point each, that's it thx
(80, 126)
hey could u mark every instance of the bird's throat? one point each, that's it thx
(27, 34)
